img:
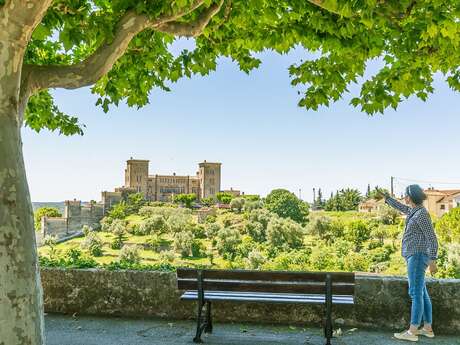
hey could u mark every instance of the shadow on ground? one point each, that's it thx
(68, 330)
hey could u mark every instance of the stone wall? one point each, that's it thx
(76, 215)
(56, 226)
(380, 301)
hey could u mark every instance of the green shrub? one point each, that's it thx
(237, 204)
(165, 211)
(183, 242)
(246, 246)
(342, 247)
(224, 197)
(134, 202)
(261, 216)
(50, 241)
(86, 229)
(356, 262)
(168, 256)
(198, 249)
(117, 243)
(379, 233)
(117, 226)
(357, 232)
(44, 212)
(211, 229)
(154, 224)
(448, 226)
(199, 231)
(185, 199)
(324, 228)
(449, 261)
(286, 205)
(380, 254)
(256, 259)
(227, 241)
(251, 205)
(256, 230)
(118, 230)
(93, 244)
(210, 219)
(130, 255)
(155, 242)
(207, 201)
(297, 260)
(105, 223)
(323, 258)
(118, 211)
(180, 223)
(388, 215)
(284, 233)
(75, 258)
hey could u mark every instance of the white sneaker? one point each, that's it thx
(406, 335)
(423, 331)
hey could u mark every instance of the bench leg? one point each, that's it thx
(199, 325)
(328, 328)
(328, 325)
(208, 328)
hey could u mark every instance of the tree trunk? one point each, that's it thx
(21, 301)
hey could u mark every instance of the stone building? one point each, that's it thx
(205, 183)
(439, 202)
(371, 205)
(76, 215)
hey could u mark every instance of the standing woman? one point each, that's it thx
(420, 249)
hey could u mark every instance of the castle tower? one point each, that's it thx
(72, 208)
(210, 175)
(137, 174)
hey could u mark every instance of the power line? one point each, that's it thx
(426, 181)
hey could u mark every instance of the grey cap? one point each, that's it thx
(415, 193)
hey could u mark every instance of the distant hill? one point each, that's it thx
(59, 205)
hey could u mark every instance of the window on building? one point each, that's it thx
(443, 207)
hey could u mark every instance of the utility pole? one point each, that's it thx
(392, 186)
(314, 196)
(300, 193)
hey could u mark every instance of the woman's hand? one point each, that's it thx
(433, 267)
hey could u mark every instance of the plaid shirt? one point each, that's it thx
(419, 235)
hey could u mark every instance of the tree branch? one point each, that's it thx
(19, 18)
(193, 29)
(87, 72)
(320, 3)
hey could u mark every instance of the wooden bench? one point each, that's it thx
(207, 286)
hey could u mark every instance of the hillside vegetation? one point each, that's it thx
(252, 234)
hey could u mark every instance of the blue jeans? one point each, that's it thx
(421, 303)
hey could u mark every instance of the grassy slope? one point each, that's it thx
(152, 257)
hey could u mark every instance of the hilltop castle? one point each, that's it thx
(206, 183)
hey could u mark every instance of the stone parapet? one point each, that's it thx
(381, 301)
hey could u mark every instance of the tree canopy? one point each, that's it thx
(286, 205)
(186, 199)
(45, 212)
(123, 49)
(344, 200)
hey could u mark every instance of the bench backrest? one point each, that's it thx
(341, 283)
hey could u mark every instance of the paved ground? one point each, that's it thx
(68, 330)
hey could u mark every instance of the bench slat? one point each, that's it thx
(342, 277)
(265, 286)
(269, 298)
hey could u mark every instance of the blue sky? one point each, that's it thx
(250, 123)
